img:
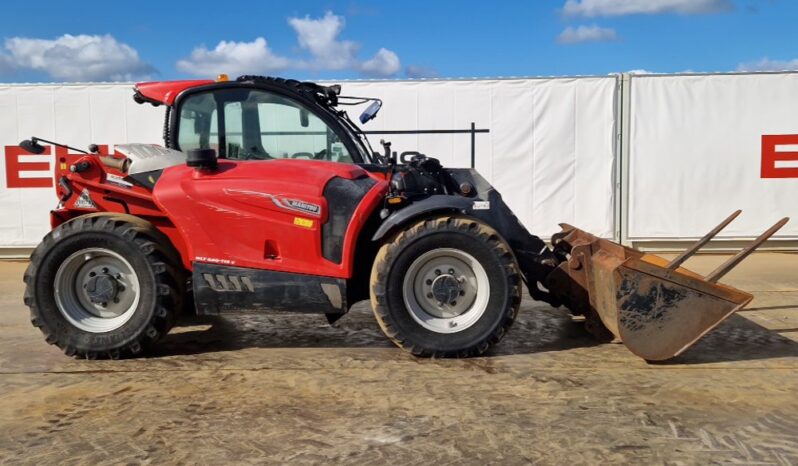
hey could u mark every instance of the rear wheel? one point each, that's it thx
(104, 286)
(446, 287)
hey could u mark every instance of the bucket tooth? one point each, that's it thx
(730, 264)
(675, 263)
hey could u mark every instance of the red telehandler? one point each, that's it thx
(267, 196)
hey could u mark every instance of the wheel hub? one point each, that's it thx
(96, 290)
(445, 289)
(101, 288)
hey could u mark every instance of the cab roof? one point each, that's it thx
(165, 92)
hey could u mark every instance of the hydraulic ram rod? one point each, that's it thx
(675, 263)
(727, 266)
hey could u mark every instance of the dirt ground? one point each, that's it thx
(291, 389)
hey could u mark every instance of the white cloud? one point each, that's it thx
(76, 58)
(235, 58)
(318, 37)
(591, 8)
(767, 64)
(593, 33)
(384, 63)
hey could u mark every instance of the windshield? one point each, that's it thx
(255, 124)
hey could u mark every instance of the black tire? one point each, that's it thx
(478, 240)
(152, 258)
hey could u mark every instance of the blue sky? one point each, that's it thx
(104, 40)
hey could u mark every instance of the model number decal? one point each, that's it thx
(481, 205)
(214, 260)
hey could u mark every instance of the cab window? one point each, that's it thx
(251, 124)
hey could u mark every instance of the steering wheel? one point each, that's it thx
(310, 156)
(255, 156)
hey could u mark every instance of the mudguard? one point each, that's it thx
(484, 203)
(432, 204)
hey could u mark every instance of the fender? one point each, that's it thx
(485, 204)
(434, 203)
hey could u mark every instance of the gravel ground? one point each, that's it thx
(292, 389)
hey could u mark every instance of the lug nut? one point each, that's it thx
(429, 295)
(105, 269)
(462, 292)
(116, 300)
(453, 303)
(121, 288)
(451, 271)
(428, 282)
(437, 272)
(91, 274)
(104, 304)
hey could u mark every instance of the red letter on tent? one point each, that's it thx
(770, 156)
(15, 166)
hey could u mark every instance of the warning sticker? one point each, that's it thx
(303, 222)
(84, 201)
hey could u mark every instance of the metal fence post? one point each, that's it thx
(624, 156)
(473, 144)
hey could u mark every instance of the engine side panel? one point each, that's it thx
(267, 215)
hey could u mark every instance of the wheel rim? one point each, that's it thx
(446, 290)
(96, 290)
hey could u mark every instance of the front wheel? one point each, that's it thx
(104, 286)
(446, 287)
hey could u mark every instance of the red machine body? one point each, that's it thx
(241, 214)
(264, 214)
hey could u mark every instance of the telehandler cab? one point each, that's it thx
(267, 196)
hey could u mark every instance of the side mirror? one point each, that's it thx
(32, 146)
(201, 158)
(304, 118)
(370, 112)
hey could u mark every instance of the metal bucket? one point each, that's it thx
(654, 306)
